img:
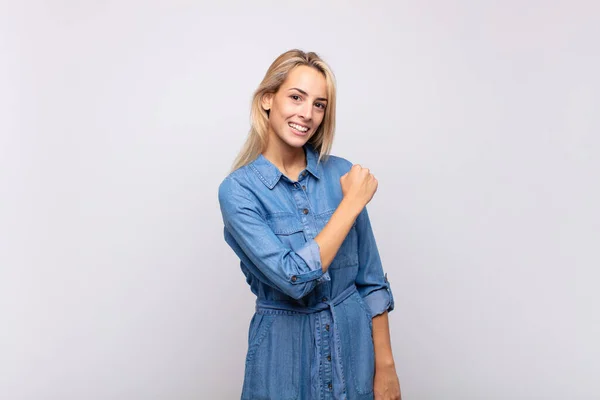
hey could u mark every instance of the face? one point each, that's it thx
(298, 107)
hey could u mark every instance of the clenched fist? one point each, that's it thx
(359, 185)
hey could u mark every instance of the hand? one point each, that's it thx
(386, 385)
(359, 185)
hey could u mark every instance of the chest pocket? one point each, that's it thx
(347, 255)
(288, 229)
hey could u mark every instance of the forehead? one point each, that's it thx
(308, 79)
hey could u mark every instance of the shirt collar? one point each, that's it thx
(269, 174)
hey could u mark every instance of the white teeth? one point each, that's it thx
(298, 127)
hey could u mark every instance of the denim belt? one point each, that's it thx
(265, 305)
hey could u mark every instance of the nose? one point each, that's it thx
(306, 111)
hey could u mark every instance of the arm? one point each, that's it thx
(295, 273)
(375, 289)
(382, 342)
(385, 384)
(371, 282)
(335, 231)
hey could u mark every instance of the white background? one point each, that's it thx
(119, 119)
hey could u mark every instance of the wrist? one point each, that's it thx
(353, 207)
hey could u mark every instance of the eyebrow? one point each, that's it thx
(306, 94)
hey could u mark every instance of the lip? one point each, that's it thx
(298, 133)
(296, 123)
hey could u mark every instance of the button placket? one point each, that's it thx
(327, 376)
(304, 208)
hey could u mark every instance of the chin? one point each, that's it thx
(297, 142)
(294, 141)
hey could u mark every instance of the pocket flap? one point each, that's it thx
(284, 224)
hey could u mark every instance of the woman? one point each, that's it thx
(296, 218)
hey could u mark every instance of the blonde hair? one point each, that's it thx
(277, 73)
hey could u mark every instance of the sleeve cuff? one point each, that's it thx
(380, 300)
(311, 255)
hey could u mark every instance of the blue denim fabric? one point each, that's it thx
(311, 334)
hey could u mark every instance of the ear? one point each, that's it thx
(267, 101)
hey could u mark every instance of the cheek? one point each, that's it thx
(279, 117)
(319, 118)
(278, 114)
(287, 110)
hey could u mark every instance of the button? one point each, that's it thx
(329, 357)
(294, 278)
(303, 173)
(330, 386)
(324, 299)
(296, 185)
(327, 327)
(385, 277)
(303, 187)
(305, 211)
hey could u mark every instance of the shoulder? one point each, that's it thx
(234, 185)
(339, 165)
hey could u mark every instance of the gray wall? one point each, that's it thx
(119, 120)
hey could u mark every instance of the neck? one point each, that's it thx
(285, 157)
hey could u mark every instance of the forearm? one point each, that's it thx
(333, 234)
(382, 342)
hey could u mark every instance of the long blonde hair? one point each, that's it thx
(277, 73)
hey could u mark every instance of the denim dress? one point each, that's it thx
(311, 334)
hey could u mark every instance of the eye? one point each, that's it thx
(320, 105)
(295, 97)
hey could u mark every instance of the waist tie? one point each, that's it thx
(266, 305)
(282, 305)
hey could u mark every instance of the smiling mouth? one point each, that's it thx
(299, 128)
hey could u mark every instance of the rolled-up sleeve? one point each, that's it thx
(371, 281)
(295, 273)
